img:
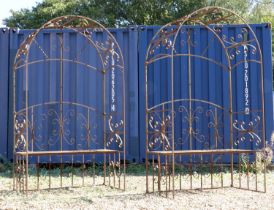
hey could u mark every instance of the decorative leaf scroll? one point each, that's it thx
(108, 52)
(216, 124)
(190, 117)
(20, 128)
(71, 22)
(164, 39)
(247, 131)
(233, 47)
(115, 131)
(57, 127)
(160, 127)
(160, 130)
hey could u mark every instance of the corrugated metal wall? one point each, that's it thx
(133, 42)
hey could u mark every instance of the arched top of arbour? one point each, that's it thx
(213, 20)
(86, 27)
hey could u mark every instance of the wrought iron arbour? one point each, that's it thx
(193, 137)
(64, 122)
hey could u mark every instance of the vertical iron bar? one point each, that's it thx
(72, 160)
(240, 168)
(264, 176)
(83, 169)
(201, 165)
(181, 168)
(166, 174)
(247, 172)
(93, 165)
(49, 172)
(256, 172)
(114, 168)
(222, 169)
(109, 169)
(38, 171)
(159, 174)
(119, 160)
(153, 166)
(61, 123)
(231, 124)
(190, 170)
(211, 169)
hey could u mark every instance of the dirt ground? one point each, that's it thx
(104, 197)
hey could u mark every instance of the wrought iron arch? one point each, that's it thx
(183, 132)
(60, 124)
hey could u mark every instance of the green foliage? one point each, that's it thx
(111, 13)
(107, 12)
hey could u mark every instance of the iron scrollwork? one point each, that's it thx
(115, 132)
(160, 129)
(247, 131)
(20, 129)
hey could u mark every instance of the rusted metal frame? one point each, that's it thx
(72, 174)
(247, 173)
(214, 21)
(153, 109)
(230, 125)
(103, 73)
(153, 168)
(172, 118)
(57, 59)
(83, 170)
(166, 173)
(124, 127)
(114, 170)
(201, 165)
(29, 40)
(15, 157)
(240, 168)
(216, 130)
(93, 166)
(163, 56)
(119, 170)
(32, 129)
(27, 122)
(256, 173)
(181, 169)
(146, 124)
(159, 174)
(109, 169)
(211, 170)
(189, 96)
(16, 171)
(68, 152)
(57, 102)
(242, 61)
(222, 171)
(60, 36)
(193, 152)
(38, 172)
(49, 168)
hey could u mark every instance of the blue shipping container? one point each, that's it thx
(134, 42)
